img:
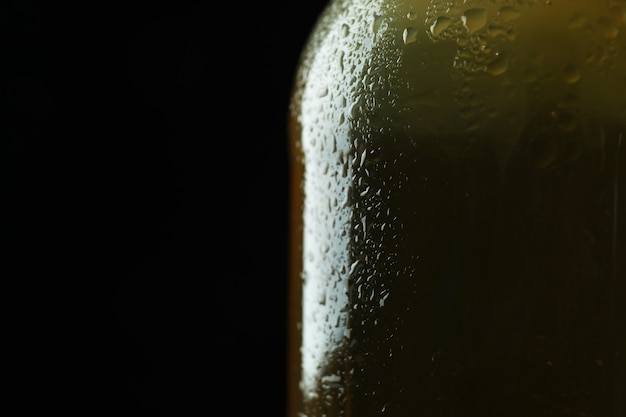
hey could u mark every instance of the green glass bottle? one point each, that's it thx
(458, 206)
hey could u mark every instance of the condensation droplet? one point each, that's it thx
(508, 13)
(439, 25)
(608, 29)
(322, 91)
(571, 75)
(345, 30)
(377, 25)
(474, 20)
(411, 15)
(499, 65)
(577, 21)
(409, 35)
(497, 31)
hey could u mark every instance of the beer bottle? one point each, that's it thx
(458, 210)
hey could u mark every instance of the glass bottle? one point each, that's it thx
(458, 197)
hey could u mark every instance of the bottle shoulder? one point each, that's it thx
(440, 56)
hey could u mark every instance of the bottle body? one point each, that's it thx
(458, 210)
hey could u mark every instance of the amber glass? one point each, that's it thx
(458, 210)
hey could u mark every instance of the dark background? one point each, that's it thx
(145, 205)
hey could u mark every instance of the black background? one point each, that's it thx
(145, 205)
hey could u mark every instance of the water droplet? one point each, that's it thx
(474, 20)
(495, 31)
(409, 35)
(571, 75)
(322, 91)
(345, 30)
(439, 25)
(499, 65)
(508, 13)
(354, 267)
(378, 24)
(411, 15)
(608, 29)
(577, 21)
